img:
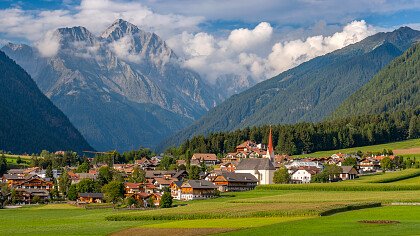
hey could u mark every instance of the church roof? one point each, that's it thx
(255, 164)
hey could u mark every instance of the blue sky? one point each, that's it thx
(221, 15)
(257, 38)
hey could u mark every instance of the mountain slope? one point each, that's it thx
(122, 90)
(396, 87)
(308, 92)
(29, 121)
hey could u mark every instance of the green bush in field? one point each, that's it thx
(281, 176)
(166, 200)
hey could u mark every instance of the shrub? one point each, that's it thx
(166, 200)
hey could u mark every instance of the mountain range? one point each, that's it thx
(309, 92)
(29, 121)
(395, 88)
(122, 89)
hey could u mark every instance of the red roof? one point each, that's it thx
(204, 156)
(132, 185)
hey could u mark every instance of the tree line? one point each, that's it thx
(305, 138)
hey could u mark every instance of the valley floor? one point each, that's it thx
(257, 212)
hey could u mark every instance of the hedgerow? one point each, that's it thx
(350, 208)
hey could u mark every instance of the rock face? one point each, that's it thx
(122, 90)
(29, 121)
(308, 92)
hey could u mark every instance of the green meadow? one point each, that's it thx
(286, 209)
(407, 144)
(261, 211)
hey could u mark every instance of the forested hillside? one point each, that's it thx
(307, 93)
(394, 88)
(310, 137)
(29, 121)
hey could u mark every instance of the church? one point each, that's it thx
(262, 168)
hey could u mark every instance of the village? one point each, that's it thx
(249, 166)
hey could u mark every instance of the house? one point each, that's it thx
(232, 182)
(34, 183)
(145, 164)
(197, 189)
(369, 165)
(181, 174)
(144, 198)
(262, 168)
(76, 177)
(14, 179)
(298, 163)
(149, 188)
(163, 182)
(132, 188)
(304, 174)
(228, 166)
(208, 158)
(176, 189)
(348, 172)
(90, 198)
(125, 168)
(26, 196)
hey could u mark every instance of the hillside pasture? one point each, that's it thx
(410, 146)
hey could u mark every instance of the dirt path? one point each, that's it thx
(171, 231)
(415, 150)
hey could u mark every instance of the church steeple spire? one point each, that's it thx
(270, 148)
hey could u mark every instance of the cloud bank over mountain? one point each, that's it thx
(242, 51)
(259, 52)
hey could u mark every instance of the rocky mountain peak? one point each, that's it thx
(77, 34)
(119, 29)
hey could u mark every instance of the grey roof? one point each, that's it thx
(15, 171)
(178, 183)
(179, 173)
(17, 177)
(93, 195)
(160, 173)
(255, 164)
(239, 177)
(347, 169)
(200, 184)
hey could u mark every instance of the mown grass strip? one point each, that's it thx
(197, 216)
(229, 215)
(400, 177)
(341, 187)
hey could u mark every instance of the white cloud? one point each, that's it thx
(3, 42)
(292, 53)
(48, 46)
(95, 15)
(242, 51)
(256, 52)
(123, 48)
(243, 39)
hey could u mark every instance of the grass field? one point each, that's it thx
(281, 208)
(269, 210)
(407, 144)
(347, 223)
(59, 220)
